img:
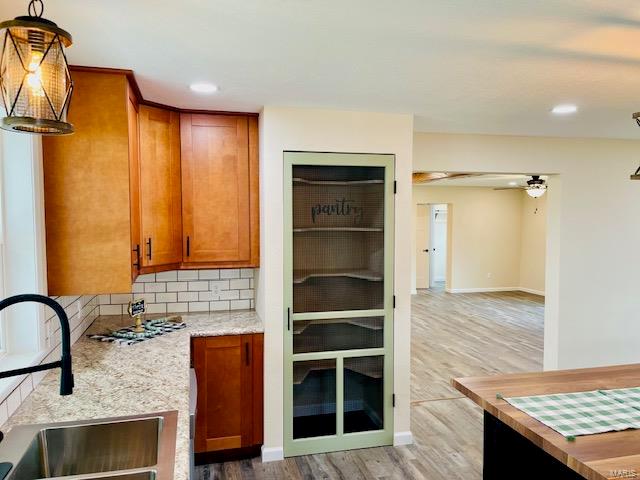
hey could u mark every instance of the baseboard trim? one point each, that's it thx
(402, 438)
(272, 454)
(495, 289)
(414, 292)
(532, 291)
(482, 290)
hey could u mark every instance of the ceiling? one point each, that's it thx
(482, 66)
(489, 181)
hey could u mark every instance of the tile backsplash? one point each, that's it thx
(82, 311)
(182, 291)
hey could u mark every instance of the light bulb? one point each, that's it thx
(536, 191)
(34, 77)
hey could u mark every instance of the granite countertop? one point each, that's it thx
(148, 377)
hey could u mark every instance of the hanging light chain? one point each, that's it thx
(36, 8)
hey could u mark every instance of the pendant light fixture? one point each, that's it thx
(34, 74)
(636, 175)
(536, 187)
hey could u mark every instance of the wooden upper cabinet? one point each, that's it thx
(134, 183)
(219, 190)
(87, 189)
(160, 188)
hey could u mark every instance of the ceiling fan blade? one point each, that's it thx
(426, 177)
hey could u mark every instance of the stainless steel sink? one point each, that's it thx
(127, 448)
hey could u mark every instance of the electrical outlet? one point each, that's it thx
(489, 275)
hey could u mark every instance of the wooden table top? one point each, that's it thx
(595, 457)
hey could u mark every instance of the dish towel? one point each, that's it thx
(584, 413)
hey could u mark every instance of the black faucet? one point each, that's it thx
(66, 378)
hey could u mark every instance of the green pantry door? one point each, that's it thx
(338, 324)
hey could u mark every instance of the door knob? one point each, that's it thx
(426, 250)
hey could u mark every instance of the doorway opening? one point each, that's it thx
(431, 267)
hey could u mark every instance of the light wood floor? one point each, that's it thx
(452, 335)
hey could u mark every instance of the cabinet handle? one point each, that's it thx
(246, 353)
(149, 245)
(137, 262)
(188, 246)
(288, 318)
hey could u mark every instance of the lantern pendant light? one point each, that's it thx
(34, 75)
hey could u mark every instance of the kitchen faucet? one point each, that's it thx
(66, 377)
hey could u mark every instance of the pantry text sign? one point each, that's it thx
(340, 208)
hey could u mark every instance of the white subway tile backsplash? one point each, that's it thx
(156, 307)
(186, 275)
(207, 296)
(177, 307)
(201, 286)
(199, 307)
(4, 414)
(232, 273)
(166, 297)
(246, 294)
(219, 306)
(229, 295)
(149, 277)
(120, 299)
(239, 284)
(209, 274)
(155, 287)
(246, 273)
(186, 291)
(188, 296)
(171, 276)
(26, 387)
(177, 287)
(219, 285)
(240, 304)
(110, 309)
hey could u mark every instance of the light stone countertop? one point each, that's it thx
(148, 377)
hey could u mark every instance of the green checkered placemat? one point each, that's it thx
(584, 413)
(629, 396)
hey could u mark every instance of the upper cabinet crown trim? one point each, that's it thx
(142, 101)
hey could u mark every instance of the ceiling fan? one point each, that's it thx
(428, 177)
(536, 187)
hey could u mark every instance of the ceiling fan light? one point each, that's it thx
(35, 83)
(536, 191)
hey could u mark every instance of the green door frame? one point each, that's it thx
(340, 441)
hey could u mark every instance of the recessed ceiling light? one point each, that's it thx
(203, 87)
(564, 109)
(513, 184)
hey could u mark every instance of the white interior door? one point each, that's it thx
(422, 244)
(438, 250)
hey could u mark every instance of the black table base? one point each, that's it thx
(509, 455)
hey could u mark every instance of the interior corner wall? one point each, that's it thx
(485, 241)
(533, 243)
(592, 228)
(303, 129)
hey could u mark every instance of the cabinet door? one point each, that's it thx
(87, 190)
(224, 369)
(160, 195)
(134, 183)
(219, 190)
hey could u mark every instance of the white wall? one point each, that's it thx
(533, 249)
(485, 240)
(498, 237)
(592, 276)
(337, 131)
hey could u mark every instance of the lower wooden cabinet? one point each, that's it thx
(229, 373)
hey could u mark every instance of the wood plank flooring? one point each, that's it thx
(452, 335)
